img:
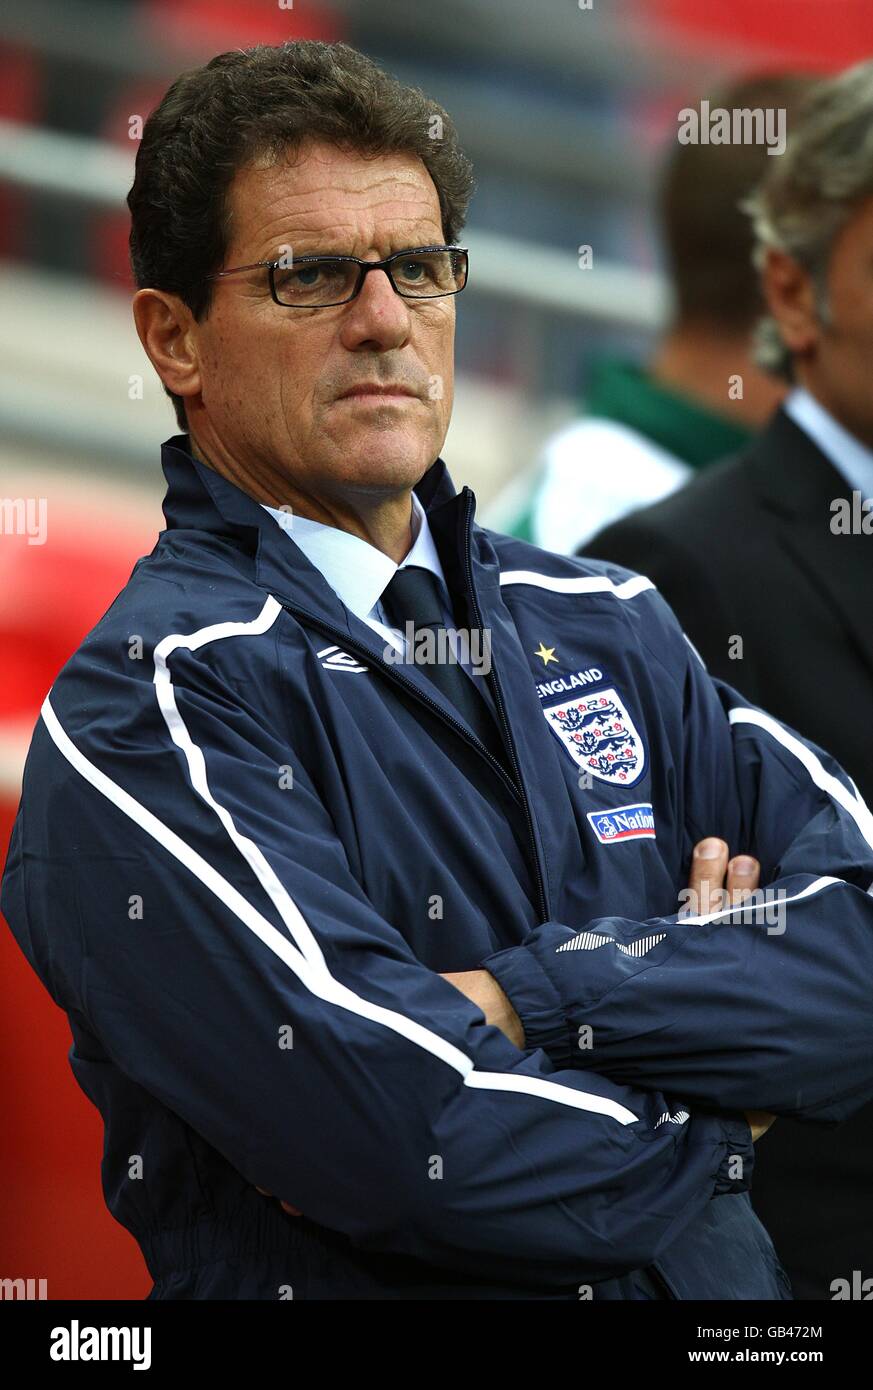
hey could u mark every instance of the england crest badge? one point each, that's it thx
(600, 736)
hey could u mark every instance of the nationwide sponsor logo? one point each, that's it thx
(599, 735)
(624, 823)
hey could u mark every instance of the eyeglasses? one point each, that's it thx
(320, 282)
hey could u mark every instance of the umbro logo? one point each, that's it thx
(333, 659)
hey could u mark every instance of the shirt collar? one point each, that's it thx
(852, 459)
(357, 571)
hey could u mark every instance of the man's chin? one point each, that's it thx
(387, 462)
(381, 481)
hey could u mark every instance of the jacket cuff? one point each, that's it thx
(536, 1001)
(738, 1161)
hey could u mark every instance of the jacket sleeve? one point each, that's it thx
(764, 1007)
(192, 898)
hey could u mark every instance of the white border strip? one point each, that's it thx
(268, 879)
(583, 584)
(854, 806)
(815, 887)
(316, 977)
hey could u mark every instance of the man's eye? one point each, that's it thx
(315, 275)
(427, 274)
(414, 270)
(299, 276)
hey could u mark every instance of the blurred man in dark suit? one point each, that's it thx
(768, 561)
(647, 428)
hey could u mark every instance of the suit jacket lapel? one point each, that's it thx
(797, 484)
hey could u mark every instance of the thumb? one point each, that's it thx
(706, 877)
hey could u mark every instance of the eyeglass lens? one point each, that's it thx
(421, 275)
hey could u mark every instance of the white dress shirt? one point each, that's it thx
(852, 459)
(358, 572)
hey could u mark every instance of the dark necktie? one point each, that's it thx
(414, 596)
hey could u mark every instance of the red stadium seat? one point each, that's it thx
(790, 33)
(55, 1225)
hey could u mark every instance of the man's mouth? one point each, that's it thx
(373, 391)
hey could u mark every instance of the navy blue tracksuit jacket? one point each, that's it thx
(247, 844)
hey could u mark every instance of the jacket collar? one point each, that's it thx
(200, 499)
(354, 568)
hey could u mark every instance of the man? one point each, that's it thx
(648, 429)
(256, 832)
(768, 562)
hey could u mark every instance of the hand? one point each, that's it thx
(759, 1122)
(706, 880)
(286, 1206)
(710, 865)
(481, 987)
(484, 991)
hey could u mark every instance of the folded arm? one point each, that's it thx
(751, 1008)
(263, 1000)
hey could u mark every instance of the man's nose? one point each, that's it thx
(377, 313)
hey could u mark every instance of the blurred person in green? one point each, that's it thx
(648, 429)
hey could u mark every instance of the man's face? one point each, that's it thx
(272, 380)
(839, 366)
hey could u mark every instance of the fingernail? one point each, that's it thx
(744, 864)
(709, 849)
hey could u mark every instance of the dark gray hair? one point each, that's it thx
(812, 190)
(263, 103)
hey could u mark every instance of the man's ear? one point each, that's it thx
(791, 298)
(164, 325)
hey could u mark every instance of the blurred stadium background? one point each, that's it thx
(564, 110)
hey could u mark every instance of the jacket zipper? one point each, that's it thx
(351, 644)
(501, 708)
(517, 788)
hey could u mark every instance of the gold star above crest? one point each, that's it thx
(546, 654)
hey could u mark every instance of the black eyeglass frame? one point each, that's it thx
(366, 267)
